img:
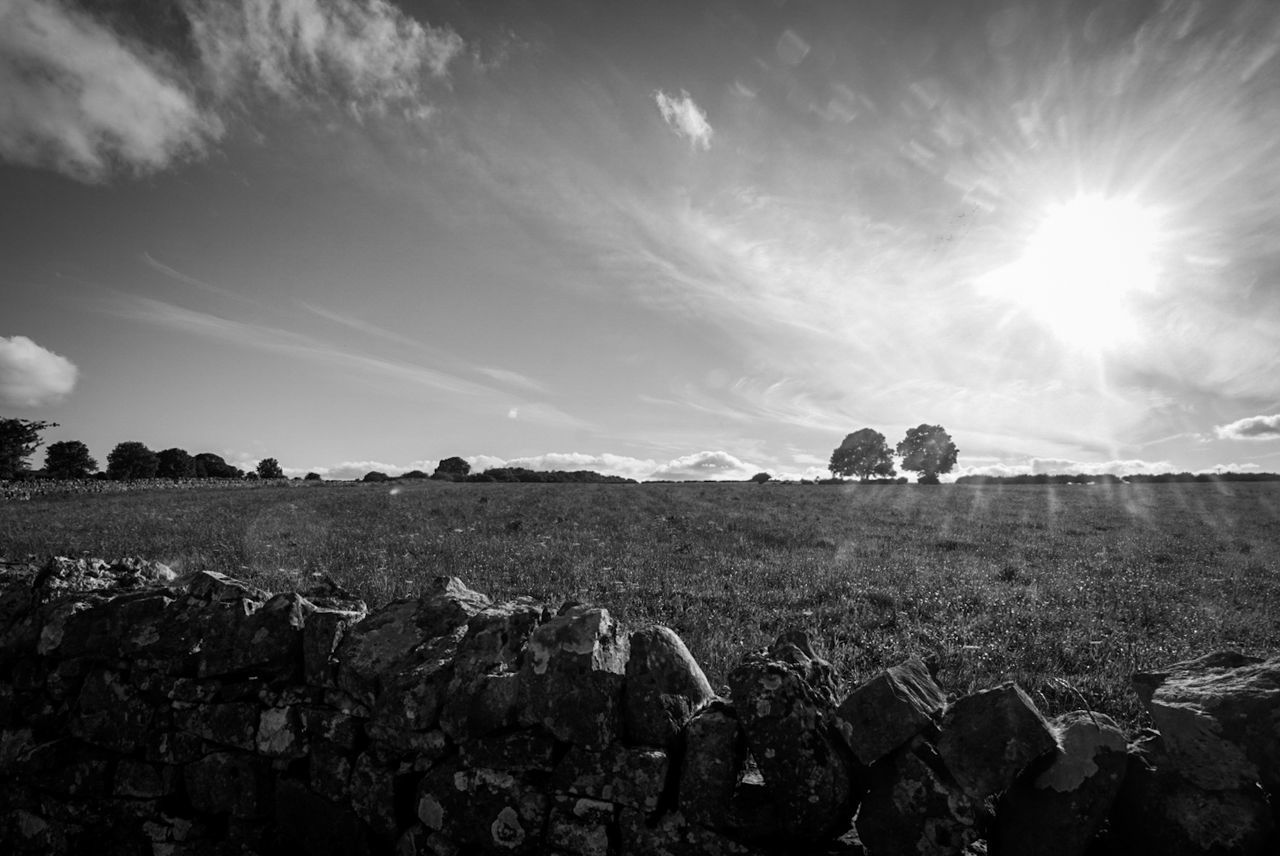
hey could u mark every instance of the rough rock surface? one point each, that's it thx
(572, 676)
(665, 687)
(785, 699)
(914, 806)
(1159, 811)
(1058, 806)
(141, 713)
(890, 709)
(989, 737)
(1218, 717)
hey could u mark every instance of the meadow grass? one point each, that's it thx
(1067, 590)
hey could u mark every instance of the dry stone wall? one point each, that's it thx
(141, 714)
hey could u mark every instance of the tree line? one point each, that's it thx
(926, 449)
(70, 459)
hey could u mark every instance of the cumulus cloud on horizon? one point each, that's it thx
(1250, 428)
(87, 99)
(1064, 466)
(31, 375)
(685, 117)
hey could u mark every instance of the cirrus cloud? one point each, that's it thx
(31, 375)
(685, 117)
(1250, 428)
(91, 96)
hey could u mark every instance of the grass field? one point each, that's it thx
(1066, 590)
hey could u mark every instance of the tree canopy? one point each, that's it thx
(19, 438)
(452, 468)
(928, 450)
(269, 468)
(864, 453)
(175, 464)
(211, 466)
(132, 460)
(68, 459)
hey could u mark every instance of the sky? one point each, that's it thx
(668, 240)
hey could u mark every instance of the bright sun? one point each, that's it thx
(1081, 267)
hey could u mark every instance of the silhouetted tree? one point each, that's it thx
(415, 474)
(864, 453)
(376, 476)
(269, 468)
(452, 468)
(312, 477)
(175, 464)
(928, 450)
(761, 478)
(19, 439)
(68, 459)
(211, 466)
(132, 460)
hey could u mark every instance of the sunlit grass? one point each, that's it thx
(1080, 583)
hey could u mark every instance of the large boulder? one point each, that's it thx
(390, 642)
(714, 754)
(1160, 811)
(989, 737)
(483, 810)
(632, 777)
(914, 806)
(572, 677)
(665, 687)
(1219, 717)
(887, 711)
(785, 700)
(1058, 806)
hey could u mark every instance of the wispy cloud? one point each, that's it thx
(88, 96)
(79, 98)
(30, 375)
(685, 117)
(278, 340)
(511, 378)
(1251, 428)
(186, 279)
(360, 324)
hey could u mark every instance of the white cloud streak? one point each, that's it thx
(1250, 428)
(80, 99)
(685, 117)
(30, 375)
(89, 100)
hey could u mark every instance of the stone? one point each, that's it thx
(485, 704)
(483, 810)
(141, 780)
(887, 711)
(310, 824)
(280, 733)
(991, 736)
(572, 677)
(321, 635)
(914, 806)
(232, 783)
(1219, 717)
(665, 686)
(1057, 807)
(1160, 811)
(232, 724)
(373, 795)
(380, 646)
(111, 714)
(627, 776)
(320, 723)
(516, 752)
(220, 588)
(785, 700)
(265, 640)
(581, 826)
(714, 754)
(330, 772)
(671, 834)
